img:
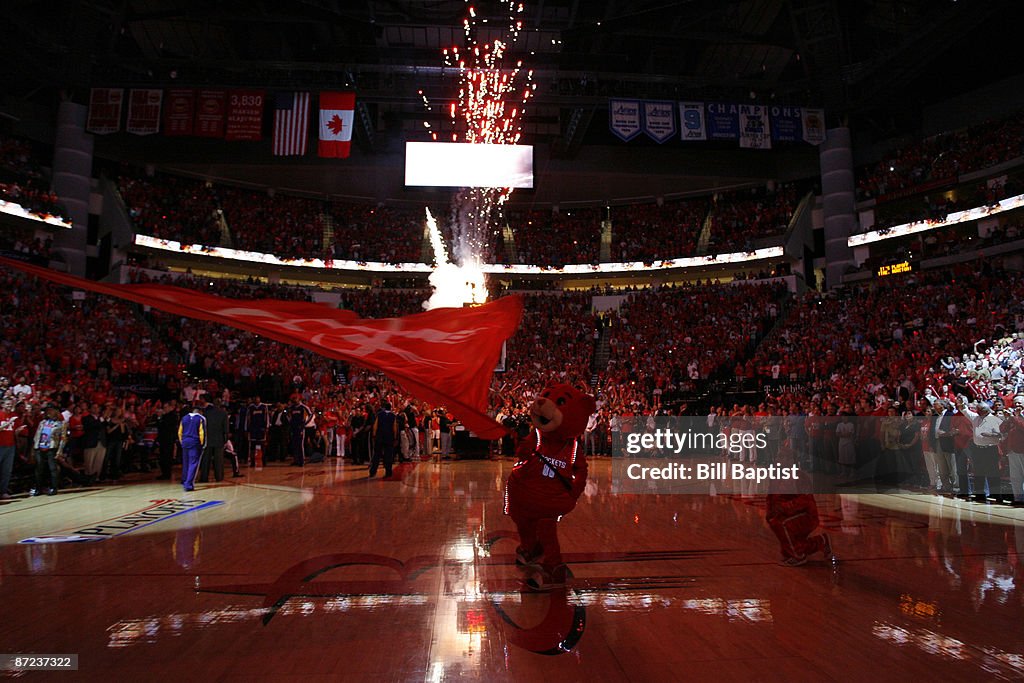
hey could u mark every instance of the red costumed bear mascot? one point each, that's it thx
(548, 479)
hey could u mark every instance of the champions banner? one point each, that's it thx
(210, 107)
(723, 121)
(445, 356)
(105, 110)
(659, 120)
(144, 111)
(624, 118)
(786, 123)
(754, 127)
(179, 111)
(245, 115)
(813, 121)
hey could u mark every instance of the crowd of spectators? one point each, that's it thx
(885, 338)
(742, 217)
(666, 339)
(23, 179)
(652, 232)
(172, 208)
(943, 157)
(555, 238)
(279, 224)
(366, 232)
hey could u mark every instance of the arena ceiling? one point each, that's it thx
(862, 58)
(878, 60)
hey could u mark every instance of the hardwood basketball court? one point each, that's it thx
(322, 574)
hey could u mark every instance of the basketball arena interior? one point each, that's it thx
(437, 340)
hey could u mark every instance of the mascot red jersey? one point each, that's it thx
(548, 479)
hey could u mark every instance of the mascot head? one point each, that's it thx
(562, 411)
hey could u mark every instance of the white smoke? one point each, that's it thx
(454, 285)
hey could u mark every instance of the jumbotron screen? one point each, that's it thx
(461, 164)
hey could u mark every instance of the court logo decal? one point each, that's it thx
(559, 631)
(157, 511)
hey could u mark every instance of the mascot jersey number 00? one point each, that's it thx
(547, 480)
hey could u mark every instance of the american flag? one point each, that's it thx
(291, 123)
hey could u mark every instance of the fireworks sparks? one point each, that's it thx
(491, 99)
(454, 285)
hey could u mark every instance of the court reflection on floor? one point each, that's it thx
(325, 572)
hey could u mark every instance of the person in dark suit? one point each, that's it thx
(167, 437)
(948, 481)
(217, 435)
(385, 433)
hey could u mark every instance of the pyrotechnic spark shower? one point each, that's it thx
(491, 98)
(454, 286)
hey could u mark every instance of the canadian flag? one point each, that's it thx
(337, 111)
(445, 356)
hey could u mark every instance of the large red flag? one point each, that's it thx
(445, 356)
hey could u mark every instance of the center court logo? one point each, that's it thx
(157, 511)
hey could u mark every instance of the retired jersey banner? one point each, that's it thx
(813, 121)
(786, 123)
(659, 120)
(210, 114)
(144, 111)
(105, 110)
(445, 357)
(624, 118)
(179, 111)
(723, 121)
(245, 115)
(691, 121)
(754, 133)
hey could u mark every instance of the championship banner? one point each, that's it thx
(245, 115)
(179, 112)
(813, 122)
(786, 123)
(210, 106)
(754, 127)
(691, 121)
(624, 118)
(144, 111)
(723, 121)
(659, 120)
(104, 110)
(445, 357)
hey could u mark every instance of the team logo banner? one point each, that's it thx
(659, 120)
(813, 121)
(179, 112)
(754, 127)
(723, 121)
(144, 111)
(245, 115)
(105, 110)
(786, 123)
(210, 114)
(445, 357)
(624, 118)
(691, 121)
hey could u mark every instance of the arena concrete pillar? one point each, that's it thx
(72, 182)
(838, 194)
